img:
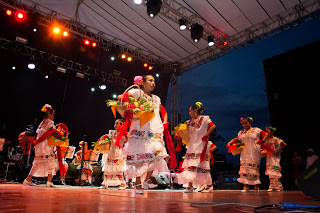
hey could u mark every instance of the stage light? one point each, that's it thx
(86, 42)
(196, 32)
(31, 66)
(153, 7)
(65, 33)
(93, 89)
(103, 87)
(112, 58)
(150, 67)
(157, 75)
(123, 56)
(46, 76)
(137, 2)
(225, 43)
(129, 59)
(114, 96)
(20, 16)
(61, 69)
(210, 41)
(34, 30)
(9, 12)
(145, 64)
(21, 40)
(13, 68)
(94, 44)
(56, 30)
(80, 75)
(182, 23)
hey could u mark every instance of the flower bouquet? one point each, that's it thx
(182, 131)
(103, 144)
(59, 138)
(236, 147)
(131, 108)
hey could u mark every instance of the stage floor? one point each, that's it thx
(19, 198)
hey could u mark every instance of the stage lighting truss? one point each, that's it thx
(19, 15)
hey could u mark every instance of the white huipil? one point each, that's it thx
(250, 156)
(273, 162)
(146, 150)
(44, 161)
(194, 171)
(114, 166)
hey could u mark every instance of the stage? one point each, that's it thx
(19, 198)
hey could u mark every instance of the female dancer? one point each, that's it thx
(273, 160)
(250, 155)
(196, 168)
(115, 164)
(146, 151)
(44, 161)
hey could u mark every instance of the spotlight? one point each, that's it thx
(137, 2)
(9, 12)
(93, 89)
(80, 75)
(94, 44)
(182, 23)
(31, 66)
(20, 16)
(21, 40)
(210, 41)
(114, 96)
(150, 67)
(46, 76)
(13, 68)
(62, 69)
(157, 75)
(145, 64)
(225, 43)
(34, 30)
(153, 7)
(86, 42)
(56, 30)
(129, 59)
(123, 56)
(196, 32)
(103, 87)
(65, 33)
(112, 58)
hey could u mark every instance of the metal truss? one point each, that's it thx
(43, 56)
(104, 40)
(287, 19)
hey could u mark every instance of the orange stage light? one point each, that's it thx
(86, 42)
(94, 44)
(65, 33)
(9, 12)
(129, 58)
(56, 30)
(150, 67)
(145, 64)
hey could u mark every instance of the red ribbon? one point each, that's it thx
(122, 129)
(268, 148)
(173, 161)
(44, 137)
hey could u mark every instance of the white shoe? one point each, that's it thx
(103, 187)
(245, 189)
(122, 187)
(138, 191)
(50, 184)
(188, 190)
(149, 185)
(270, 190)
(27, 183)
(207, 190)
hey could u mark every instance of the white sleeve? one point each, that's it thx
(135, 93)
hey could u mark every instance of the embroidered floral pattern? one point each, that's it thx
(194, 156)
(143, 157)
(253, 165)
(273, 168)
(115, 177)
(115, 161)
(196, 169)
(195, 123)
(146, 135)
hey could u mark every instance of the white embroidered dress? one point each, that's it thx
(115, 164)
(194, 171)
(250, 156)
(273, 162)
(146, 150)
(44, 161)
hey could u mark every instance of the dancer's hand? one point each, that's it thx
(205, 138)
